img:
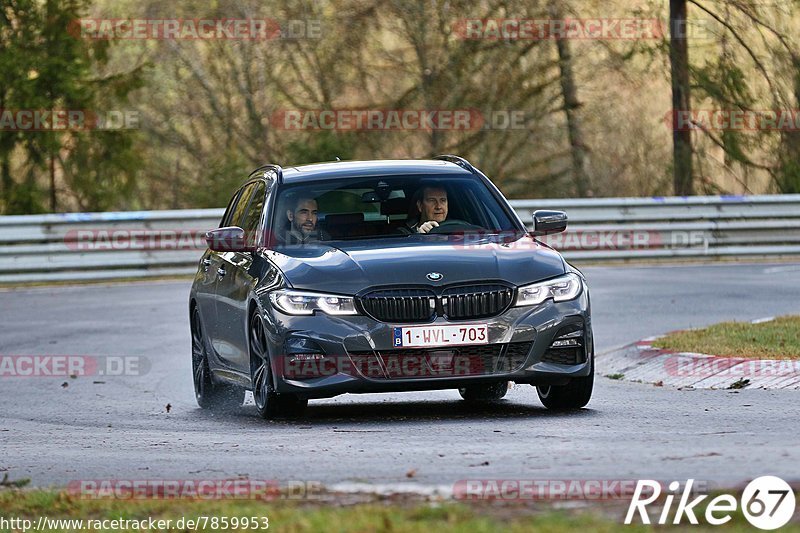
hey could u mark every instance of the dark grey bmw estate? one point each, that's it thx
(380, 276)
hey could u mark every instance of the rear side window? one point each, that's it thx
(253, 217)
(239, 210)
(229, 210)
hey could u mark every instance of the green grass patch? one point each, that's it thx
(288, 516)
(379, 514)
(615, 376)
(776, 339)
(17, 483)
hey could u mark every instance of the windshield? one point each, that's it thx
(380, 207)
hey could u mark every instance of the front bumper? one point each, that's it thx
(322, 356)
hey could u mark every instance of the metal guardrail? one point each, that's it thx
(674, 227)
(80, 246)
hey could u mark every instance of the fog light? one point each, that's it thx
(306, 357)
(568, 339)
(567, 346)
(566, 343)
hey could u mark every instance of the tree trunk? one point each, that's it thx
(681, 137)
(53, 204)
(788, 176)
(578, 148)
(5, 166)
(5, 179)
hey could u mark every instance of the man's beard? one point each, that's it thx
(306, 230)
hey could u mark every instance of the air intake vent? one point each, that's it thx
(567, 346)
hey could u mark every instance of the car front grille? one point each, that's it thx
(476, 301)
(420, 363)
(400, 305)
(465, 302)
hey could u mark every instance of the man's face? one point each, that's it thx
(433, 205)
(304, 217)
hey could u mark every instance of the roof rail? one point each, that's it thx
(267, 168)
(460, 161)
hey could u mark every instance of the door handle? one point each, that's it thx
(221, 272)
(206, 264)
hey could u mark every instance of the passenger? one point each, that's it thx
(302, 214)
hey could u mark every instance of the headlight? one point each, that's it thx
(559, 289)
(305, 303)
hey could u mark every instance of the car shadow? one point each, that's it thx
(443, 411)
(357, 414)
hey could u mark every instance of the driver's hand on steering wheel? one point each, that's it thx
(426, 227)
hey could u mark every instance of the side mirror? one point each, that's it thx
(547, 222)
(229, 239)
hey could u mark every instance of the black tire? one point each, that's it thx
(209, 395)
(573, 395)
(269, 404)
(484, 393)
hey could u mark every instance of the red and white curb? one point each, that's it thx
(641, 361)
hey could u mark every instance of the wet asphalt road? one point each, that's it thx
(119, 428)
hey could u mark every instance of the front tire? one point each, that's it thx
(269, 403)
(484, 393)
(574, 395)
(209, 395)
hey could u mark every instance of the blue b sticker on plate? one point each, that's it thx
(398, 336)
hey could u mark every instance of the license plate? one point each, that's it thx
(443, 335)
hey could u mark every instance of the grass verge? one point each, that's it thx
(776, 339)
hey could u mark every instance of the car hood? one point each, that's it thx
(343, 267)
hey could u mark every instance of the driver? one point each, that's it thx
(432, 207)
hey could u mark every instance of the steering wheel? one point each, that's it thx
(454, 225)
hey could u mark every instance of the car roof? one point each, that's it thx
(357, 169)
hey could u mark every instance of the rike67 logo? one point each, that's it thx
(767, 502)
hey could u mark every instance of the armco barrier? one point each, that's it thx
(77, 246)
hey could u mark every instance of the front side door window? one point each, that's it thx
(233, 284)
